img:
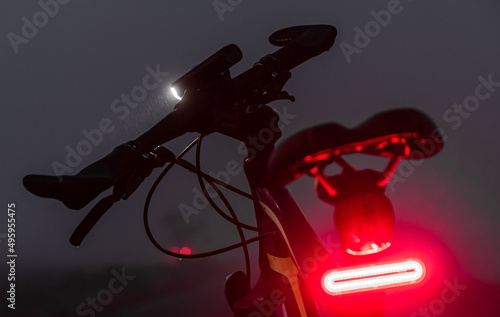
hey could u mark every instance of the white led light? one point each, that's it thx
(174, 92)
(344, 281)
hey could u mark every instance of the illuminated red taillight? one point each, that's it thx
(360, 279)
(365, 223)
(363, 214)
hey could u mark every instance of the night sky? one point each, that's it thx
(60, 80)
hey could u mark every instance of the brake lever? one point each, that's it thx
(148, 162)
(92, 218)
(122, 189)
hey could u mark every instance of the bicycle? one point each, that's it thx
(211, 101)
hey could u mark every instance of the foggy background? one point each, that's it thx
(65, 78)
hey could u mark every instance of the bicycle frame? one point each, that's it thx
(292, 259)
(290, 263)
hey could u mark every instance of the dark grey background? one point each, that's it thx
(66, 77)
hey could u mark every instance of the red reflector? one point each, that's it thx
(360, 279)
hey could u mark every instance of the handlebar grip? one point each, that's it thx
(301, 43)
(76, 191)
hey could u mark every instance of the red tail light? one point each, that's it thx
(360, 279)
(365, 223)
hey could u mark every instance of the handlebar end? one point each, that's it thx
(74, 192)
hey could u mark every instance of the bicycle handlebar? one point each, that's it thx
(300, 43)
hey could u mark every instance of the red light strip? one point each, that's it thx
(360, 279)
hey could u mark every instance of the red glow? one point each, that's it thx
(322, 157)
(365, 223)
(407, 148)
(385, 181)
(391, 168)
(185, 250)
(316, 158)
(369, 248)
(314, 170)
(395, 140)
(381, 145)
(371, 277)
(327, 185)
(441, 270)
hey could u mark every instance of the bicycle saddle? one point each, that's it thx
(404, 133)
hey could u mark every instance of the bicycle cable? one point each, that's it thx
(198, 255)
(224, 200)
(192, 168)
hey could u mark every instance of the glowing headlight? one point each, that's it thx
(175, 94)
